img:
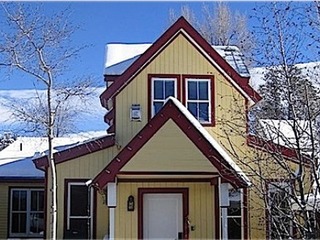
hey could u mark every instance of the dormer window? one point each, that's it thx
(162, 87)
(198, 97)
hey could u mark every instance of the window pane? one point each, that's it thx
(192, 90)
(234, 228)
(158, 90)
(37, 200)
(204, 112)
(19, 200)
(79, 200)
(203, 91)
(235, 203)
(192, 107)
(19, 223)
(36, 223)
(169, 86)
(157, 106)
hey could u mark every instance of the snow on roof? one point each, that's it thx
(210, 139)
(120, 56)
(25, 147)
(310, 70)
(22, 168)
(281, 132)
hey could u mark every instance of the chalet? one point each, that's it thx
(177, 161)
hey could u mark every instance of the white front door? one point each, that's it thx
(162, 216)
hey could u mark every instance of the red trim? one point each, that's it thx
(77, 151)
(271, 147)
(168, 111)
(185, 207)
(109, 117)
(212, 92)
(166, 173)
(156, 48)
(150, 76)
(160, 180)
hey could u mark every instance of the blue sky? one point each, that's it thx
(105, 22)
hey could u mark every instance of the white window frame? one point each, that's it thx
(271, 188)
(234, 216)
(28, 211)
(69, 217)
(195, 79)
(153, 79)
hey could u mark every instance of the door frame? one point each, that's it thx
(185, 206)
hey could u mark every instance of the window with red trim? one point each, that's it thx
(198, 98)
(161, 89)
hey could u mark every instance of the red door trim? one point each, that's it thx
(185, 206)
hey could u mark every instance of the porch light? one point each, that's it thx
(130, 204)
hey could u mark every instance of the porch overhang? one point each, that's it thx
(173, 110)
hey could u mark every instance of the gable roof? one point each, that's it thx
(191, 127)
(119, 56)
(181, 26)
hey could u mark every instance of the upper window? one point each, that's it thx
(26, 212)
(198, 98)
(162, 88)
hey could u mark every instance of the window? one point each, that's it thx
(234, 214)
(279, 214)
(198, 98)
(26, 212)
(162, 88)
(79, 209)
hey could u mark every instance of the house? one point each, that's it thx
(22, 185)
(170, 166)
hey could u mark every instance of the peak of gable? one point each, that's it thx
(119, 56)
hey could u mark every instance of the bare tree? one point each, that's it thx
(219, 25)
(282, 157)
(38, 46)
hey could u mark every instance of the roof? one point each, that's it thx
(181, 26)
(20, 169)
(174, 110)
(69, 152)
(16, 159)
(120, 56)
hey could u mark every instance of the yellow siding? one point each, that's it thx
(180, 57)
(85, 167)
(169, 150)
(4, 204)
(201, 208)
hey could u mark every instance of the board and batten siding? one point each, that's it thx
(201, 208)
(169, 150)
(5, 204)
(85, 167)
(182, 58)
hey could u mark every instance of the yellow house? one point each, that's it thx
(165, 169)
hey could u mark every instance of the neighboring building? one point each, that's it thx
(174, 162)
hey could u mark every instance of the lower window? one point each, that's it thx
(26, 212)
(79, 210)
(279, 214)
